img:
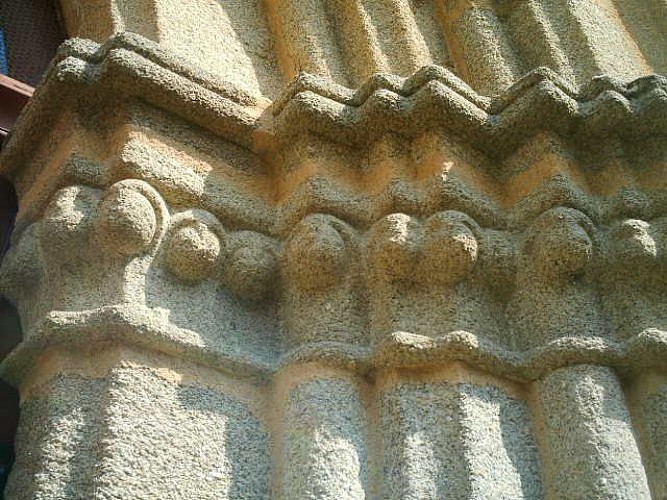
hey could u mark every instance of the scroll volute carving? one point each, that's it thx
(633, 276)
(320, 292)
(554, 295)
(419, 275)
(318, 252)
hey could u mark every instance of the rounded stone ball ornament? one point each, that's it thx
(560, 242)
(193, 245)
(633, 242)
(127, 220)
(69, 219)
(316, 253)
(450, 247)
(392, 246)
(192, 251)
(251, 268)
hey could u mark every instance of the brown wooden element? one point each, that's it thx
(14, 96)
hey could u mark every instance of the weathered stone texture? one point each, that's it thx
(344, 249)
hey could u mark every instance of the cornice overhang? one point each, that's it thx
(130, 66)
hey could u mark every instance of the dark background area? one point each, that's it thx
(10, 335)
(32, 32)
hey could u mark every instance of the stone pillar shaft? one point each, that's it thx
(431, 282)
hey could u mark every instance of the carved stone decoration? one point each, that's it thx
(318, 253)
(252, 265)
(554, 296)
(451, 248)
(127, 220)
(421, 276)
(633, 279)
(321, 282)
(353, 249)
(194, 244)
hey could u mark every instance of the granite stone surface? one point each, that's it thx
(343, 249)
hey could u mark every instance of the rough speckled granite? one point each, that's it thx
(592, 448)
(60, 435)
(344, 249)
(324, 441)
(458, 440)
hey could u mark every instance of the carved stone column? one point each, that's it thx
(235, 287)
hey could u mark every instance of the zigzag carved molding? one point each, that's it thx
(132, 67)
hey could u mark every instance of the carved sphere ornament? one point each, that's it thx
(560, 242)
(341, 249)
(192, 251)
(392, 246)
(450, 247)
(252, 265)
(127, 220)
(316, 253)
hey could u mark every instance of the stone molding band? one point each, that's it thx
(134, 327)
(135, 67)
